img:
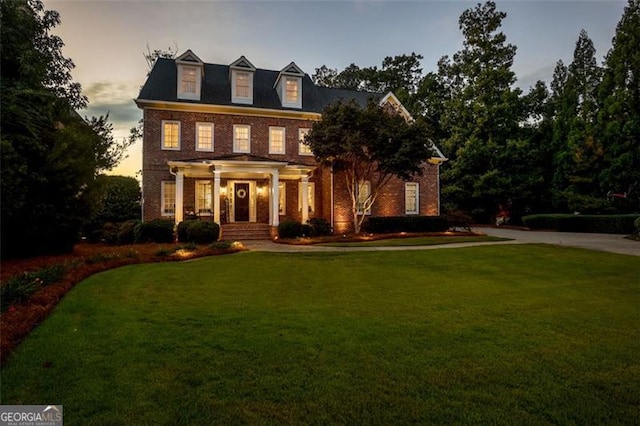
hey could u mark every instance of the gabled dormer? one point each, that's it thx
(241, 73)
(289, 86)
(190, 74)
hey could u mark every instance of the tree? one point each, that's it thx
(116, 198)
(368, 144)
(49, 152)
(578, 151)
(481, 116)
(618, 120)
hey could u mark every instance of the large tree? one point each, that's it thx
(370, 144)
(619, 117)
(49, 153)
(481, 116)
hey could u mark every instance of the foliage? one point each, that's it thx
(19, 288)
(393, 224)
(201, 232)
(117, 199)
(290, 228)
(221, 245)
(157, 231)
(370, 144)
(108, 152)
(606, 224)
(49, 154)
(181, 229)
(636, 223)
(129, 231)
(319, 227)
(459, 220)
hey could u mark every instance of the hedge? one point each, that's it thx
(198, 232)
(605, 224)
(157, 231)
(391, 224)
(290, 228)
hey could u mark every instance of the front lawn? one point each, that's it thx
(495, 334)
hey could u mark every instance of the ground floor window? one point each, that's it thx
(411, 198)
(282, 198)
(364, 191)
(203, 197)
(311, 191)
(168, 198)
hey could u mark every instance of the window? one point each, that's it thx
(303, 147)
(282, 198)
(203, 197)
(171, 135)
(364, 191)
(189, 78)
(276, 140)
(168, 198)
(311, 191)
(242, 87)
(204, 136)
(411, 205)
(241, 138)
(291, 90)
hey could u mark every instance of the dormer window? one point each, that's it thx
(292, 89)
(242, 81)
(288, 85)
(190, 73)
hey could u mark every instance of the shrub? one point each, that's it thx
(319, 227)
(221, 245)
(391, 224)
(609, 224)
(19, 288)
(181, 229)
(109, 233)
(459, 219)
(157, 231)
(289, 228)
(202, 232)
(128, 231)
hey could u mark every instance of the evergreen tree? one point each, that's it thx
(619, 118)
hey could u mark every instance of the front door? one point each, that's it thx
(241, 202)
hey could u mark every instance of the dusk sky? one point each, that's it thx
(107, 39)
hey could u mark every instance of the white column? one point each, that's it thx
(275, 182)
(216, 197)
(179, 197)
(305, 199)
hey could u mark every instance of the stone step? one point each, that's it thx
(245, 231)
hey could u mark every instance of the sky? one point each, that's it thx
(107, 39)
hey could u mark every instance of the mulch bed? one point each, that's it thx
(84, 261)
(353, 238)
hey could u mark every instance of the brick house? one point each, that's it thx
(226, 143)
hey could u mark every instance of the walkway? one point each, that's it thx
(601, 242)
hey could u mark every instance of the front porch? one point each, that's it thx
(239, 189)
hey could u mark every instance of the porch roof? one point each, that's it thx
(240, 165)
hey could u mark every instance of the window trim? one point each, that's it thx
(197, 197)
(282, 195)
(235, 140)
(195, 95)
(282, 89)
(284, 140)
(162, 136)
(205, 124)
(163, 185)
(416, 185)
(301, 143)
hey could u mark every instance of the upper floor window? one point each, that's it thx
(204, 136)
(170, 135)
(242, 87)
(241, 138)
(303, 147)
(292, 89)
(411, 205)
(189, 78)
(168, 198)
(276, 140)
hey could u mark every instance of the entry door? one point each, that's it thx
(241, 202)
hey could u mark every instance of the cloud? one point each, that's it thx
(116, 99)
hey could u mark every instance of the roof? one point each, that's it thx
(161, 85)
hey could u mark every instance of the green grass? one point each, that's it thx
(497, 334)
(417, 241)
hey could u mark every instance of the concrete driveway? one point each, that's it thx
(602, 242)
